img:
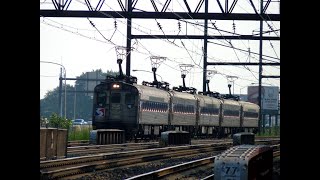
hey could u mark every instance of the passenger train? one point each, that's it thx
(144, 111)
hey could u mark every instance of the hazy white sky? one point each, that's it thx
(75, 44)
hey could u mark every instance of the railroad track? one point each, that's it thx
(189, 169)
(72, 166)
(86, 142)
(96, 149)
(78, 143)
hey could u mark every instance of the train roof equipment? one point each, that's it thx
(210, 74)
(231, 79)
(121, 53)
(185, 68)
(155, 63)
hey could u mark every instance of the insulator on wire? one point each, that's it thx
(179, 25)
(234, 27)
(159, 25)
(115, 24)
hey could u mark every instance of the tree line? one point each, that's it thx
(82, 101)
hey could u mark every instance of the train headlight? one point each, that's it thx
(115, 86)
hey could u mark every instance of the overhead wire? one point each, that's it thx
(76, 33)
(228, 42)
(180, 47)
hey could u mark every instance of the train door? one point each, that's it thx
(130, 107)
(115, 105)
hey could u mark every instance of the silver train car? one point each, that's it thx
(144, 111)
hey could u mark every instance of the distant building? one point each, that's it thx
(269, 98)
(89, 84)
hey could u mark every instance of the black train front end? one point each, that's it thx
(116, 107)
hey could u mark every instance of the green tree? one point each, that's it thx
(59, 122)
(83, 105)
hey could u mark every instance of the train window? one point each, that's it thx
(204, 110)
(175, 108)
(129, 98)
(179, 108)
(156, 106)
(101, 99)
(215, 111)
(231, 113)
(208, 110)
(163, 107)
(190, 109)
(115, 98)
(150, 106)
(251, 114)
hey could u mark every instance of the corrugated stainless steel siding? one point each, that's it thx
(157, 118)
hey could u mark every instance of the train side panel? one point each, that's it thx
(183, 109)
(250, 114)
(230, 113)
(154, 106)
(209, 111)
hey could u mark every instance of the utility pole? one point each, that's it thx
(128, 58)
(260, 66)
(60, 87)
(205, 42)
(74, 104)
(60, 92)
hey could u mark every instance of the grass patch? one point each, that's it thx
(79, 132)
(270, 131)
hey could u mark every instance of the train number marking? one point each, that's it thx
(231, 173)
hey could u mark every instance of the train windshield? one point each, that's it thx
(101, 99)
(115, 98)
(129, 99)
